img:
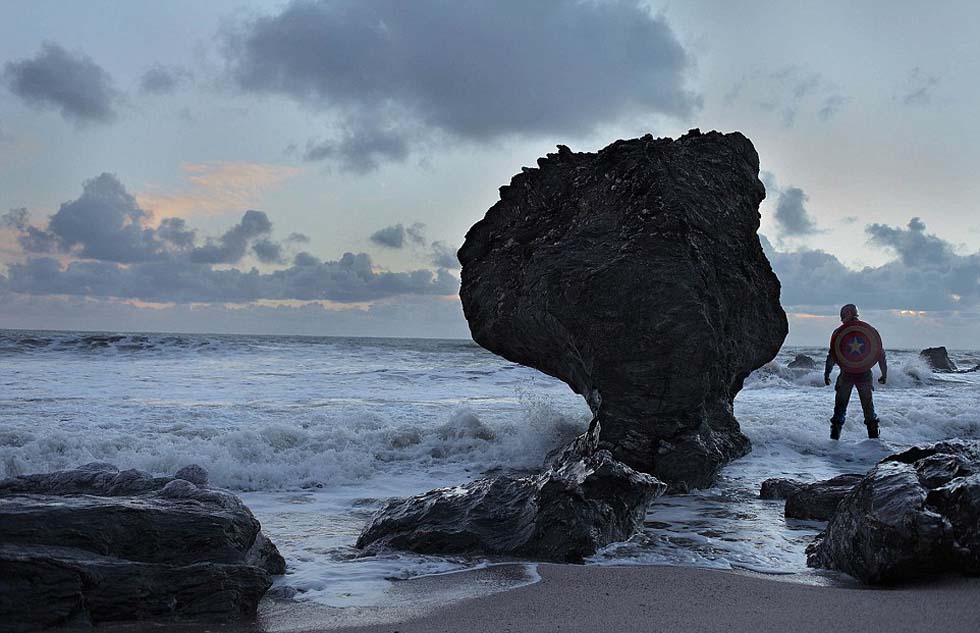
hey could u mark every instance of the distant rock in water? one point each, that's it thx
(816, 501)
(564, 514)
(938, 358)
(95, 545)
(916, 513)
(636, 276)
(802, 361)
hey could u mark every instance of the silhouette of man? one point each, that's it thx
(855, 347)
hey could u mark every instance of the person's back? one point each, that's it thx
(855, 347)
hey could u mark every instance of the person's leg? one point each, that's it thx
(843, 389)
(865, 392)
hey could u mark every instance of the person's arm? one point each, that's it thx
(883, 364)
(828, 366)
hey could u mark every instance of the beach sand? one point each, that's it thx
(573, 599)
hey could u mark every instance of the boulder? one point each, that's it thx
(938, 359)
(802, 361)
(914, 514)
(818, 501)
(563, 514)
(94, 545)
(779, 488)
(636, 276)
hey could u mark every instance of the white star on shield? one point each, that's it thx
(856, 345)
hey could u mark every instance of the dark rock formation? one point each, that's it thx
(916, 513)
(819, 500)
(636, 276)
(95, 545)
(938, 358)
(816, 501)
(802, 361)
(563, 514)
(779, 488)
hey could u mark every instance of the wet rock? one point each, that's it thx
(636, 276)
(563, 514)
(95, 545)
(779, 488)
(802, 361)
(938, 358)
(916, 513)
(818, 501)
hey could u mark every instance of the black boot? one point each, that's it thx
(872, 428)
(835, 431)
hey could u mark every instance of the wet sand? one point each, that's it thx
(632, 599)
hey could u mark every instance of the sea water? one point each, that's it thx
(315, 433)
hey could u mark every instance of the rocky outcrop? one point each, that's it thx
(916, 513)
(636, 276)
(802, 361)
(815, 501)
(95, 545)
(938, 359)
(563, 514)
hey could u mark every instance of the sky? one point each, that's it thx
(310, 167)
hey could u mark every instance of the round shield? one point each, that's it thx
(857, 347)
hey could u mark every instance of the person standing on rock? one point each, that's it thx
(856, 347)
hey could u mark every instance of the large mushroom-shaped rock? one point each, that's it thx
(563, 514)
(636, 276)
(916, 513)
(938, 358)
(95, 545)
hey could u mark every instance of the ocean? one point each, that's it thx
(314, 433)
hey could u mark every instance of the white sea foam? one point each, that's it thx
(318, 432)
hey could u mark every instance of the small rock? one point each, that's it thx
(197, 475)
(778, 488)
(938, 358)
(802, 361)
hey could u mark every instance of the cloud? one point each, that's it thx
(918, 87)
(232, 246)
(444, 256)
(215, 188)
(352, 278)
(499, 69)
(390, 236)
(298, 238)
(162, 80)
(790, 90)
(73, 84)
(913, 245)
(791, 215)
(125, 257)
(927, 274)
(268, 252)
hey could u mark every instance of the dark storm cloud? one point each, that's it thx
(927, 275)
(469, 69)
(163, 80)
(73, 84)
(444, 256)
(232, 246)
(352, 278)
